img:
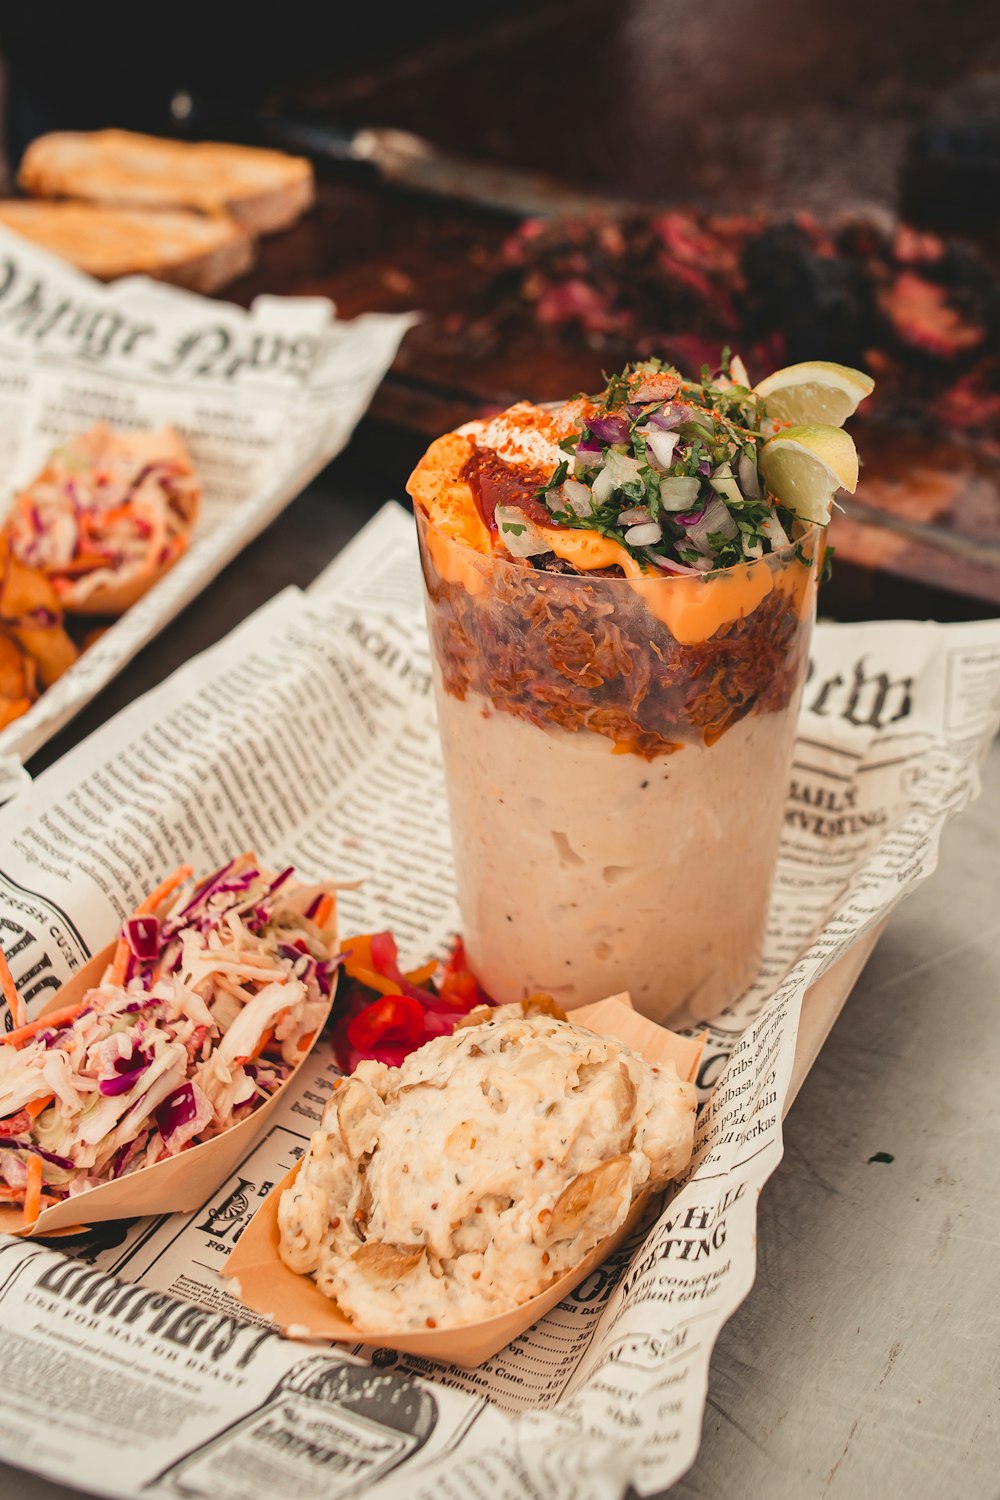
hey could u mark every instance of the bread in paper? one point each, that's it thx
(200, 251)
(460, 1184)
(261, 189)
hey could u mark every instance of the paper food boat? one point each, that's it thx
(264, 1283)
(175, 1185)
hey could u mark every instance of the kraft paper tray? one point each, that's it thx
(263, 1282)
(176, 1185)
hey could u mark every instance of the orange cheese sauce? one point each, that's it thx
(460, 544)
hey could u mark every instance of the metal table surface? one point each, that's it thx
(866, 1360)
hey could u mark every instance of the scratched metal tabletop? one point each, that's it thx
(866, 1360)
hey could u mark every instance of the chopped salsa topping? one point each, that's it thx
(666, 468)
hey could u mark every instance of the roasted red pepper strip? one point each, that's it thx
(459, 985)
(393, 1018)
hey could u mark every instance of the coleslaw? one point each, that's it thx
(109, 510)
(205, 1010)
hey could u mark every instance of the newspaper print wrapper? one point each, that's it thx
(262, 398)
(295, 1303)
(309, 734)
(171, 1186)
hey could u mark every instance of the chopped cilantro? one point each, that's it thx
(715, 421)
(514, 527)
(556, 479)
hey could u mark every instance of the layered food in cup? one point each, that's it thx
(620, 592)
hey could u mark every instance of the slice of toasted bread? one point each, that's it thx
(263, 190)
(199, 251)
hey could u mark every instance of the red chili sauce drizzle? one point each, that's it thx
(494, 482)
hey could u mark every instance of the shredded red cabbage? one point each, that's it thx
(128, 1070)
(143, 937)
(49, 1156)
(177, 1109)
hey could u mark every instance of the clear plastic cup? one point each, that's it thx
(617, 757)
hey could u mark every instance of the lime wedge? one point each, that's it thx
(816, 391)
(804, 467)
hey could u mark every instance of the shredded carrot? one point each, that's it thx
(146, 908)
(371, 979)
(358, 965)
(323, 910)
(359, 953)
(119, 964)
(163, 890)
(305, 1042)
(33, 1191)
(35, 1108)
(13, 999)
(421, 975)
(264, 1042)
(89, 521)
(42, 1023)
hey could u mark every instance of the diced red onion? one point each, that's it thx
(611, 429)
(637, 516)
(670, 417)
(716, 520)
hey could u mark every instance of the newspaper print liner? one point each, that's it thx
(262, 1281)
(177, 1184)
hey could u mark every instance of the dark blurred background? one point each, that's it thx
(733, 102)
(794, 179)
